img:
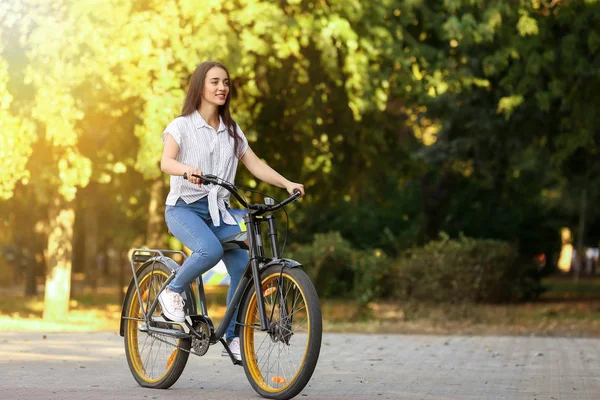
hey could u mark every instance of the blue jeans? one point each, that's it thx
(192, 225)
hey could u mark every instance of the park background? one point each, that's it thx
(449, 151)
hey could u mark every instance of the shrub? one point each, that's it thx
(327, 261)
(371, 269)
(464, 270)
(338, 270)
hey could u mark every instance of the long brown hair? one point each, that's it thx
(193, 99)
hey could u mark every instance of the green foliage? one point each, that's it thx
(328, 262)
(389, 222)
(338, 270)
(401, 117)
(514, 88)
(463, 270)
(527, 25)
(371, 269)
(15, 141)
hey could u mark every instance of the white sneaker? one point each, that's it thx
(172, 305)
(234, 346)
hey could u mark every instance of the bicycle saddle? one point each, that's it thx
(235, 241)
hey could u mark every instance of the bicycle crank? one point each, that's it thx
(201, 338)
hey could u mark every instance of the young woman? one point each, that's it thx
(205, 139)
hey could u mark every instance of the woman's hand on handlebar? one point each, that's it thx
(192, 179)
(293, 186)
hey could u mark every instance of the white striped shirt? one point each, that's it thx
(213, 153)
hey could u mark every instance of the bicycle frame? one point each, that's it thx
(256, 264)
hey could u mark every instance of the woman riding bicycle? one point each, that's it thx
(206, 140)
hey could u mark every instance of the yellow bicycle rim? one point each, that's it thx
(149, 286)
(273, 382)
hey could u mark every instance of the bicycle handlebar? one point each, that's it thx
(257, 208)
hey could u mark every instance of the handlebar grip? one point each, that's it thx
(203, 178)
(260, 208)
(208, 179)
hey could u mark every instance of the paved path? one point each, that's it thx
(407, 367)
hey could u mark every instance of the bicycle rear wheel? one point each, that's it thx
(279, 362)
(154, 359)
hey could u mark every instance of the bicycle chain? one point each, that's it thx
(157, 337)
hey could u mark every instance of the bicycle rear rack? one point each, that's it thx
(143, 255)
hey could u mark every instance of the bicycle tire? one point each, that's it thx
(278, 378)
(150, 280)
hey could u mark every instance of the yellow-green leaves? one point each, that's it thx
(56, 109)
(508, 104)
(527, 26)
(416, 72)
(55, 71)
(73, 170)
(159, 109)
(16, 135)
(494, 19)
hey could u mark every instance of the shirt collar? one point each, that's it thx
(201, 123)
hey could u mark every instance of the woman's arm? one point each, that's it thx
(267, 174)
(170, 165)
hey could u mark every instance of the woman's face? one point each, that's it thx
(216, 86)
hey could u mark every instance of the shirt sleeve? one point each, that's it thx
(173, 130)
(244, 145)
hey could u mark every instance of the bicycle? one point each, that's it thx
(276, 301)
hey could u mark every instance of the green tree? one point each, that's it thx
(513, 89)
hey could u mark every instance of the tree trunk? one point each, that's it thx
(580, 259)
(38, 265)
(60, 249)
(90, 235)
(30, 281)
(27, 240)
(156, 226)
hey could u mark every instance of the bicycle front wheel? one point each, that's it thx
(155, 360)
(280, 361)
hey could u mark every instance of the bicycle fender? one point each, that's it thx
(172, 265)
(285, 262)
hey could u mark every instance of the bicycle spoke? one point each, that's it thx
(152, 354)
(278, 361)
(268, 356)
(280, 365)
(266, 336)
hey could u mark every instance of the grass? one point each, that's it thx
(567, 308)
(88, 312)
(566, 288)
